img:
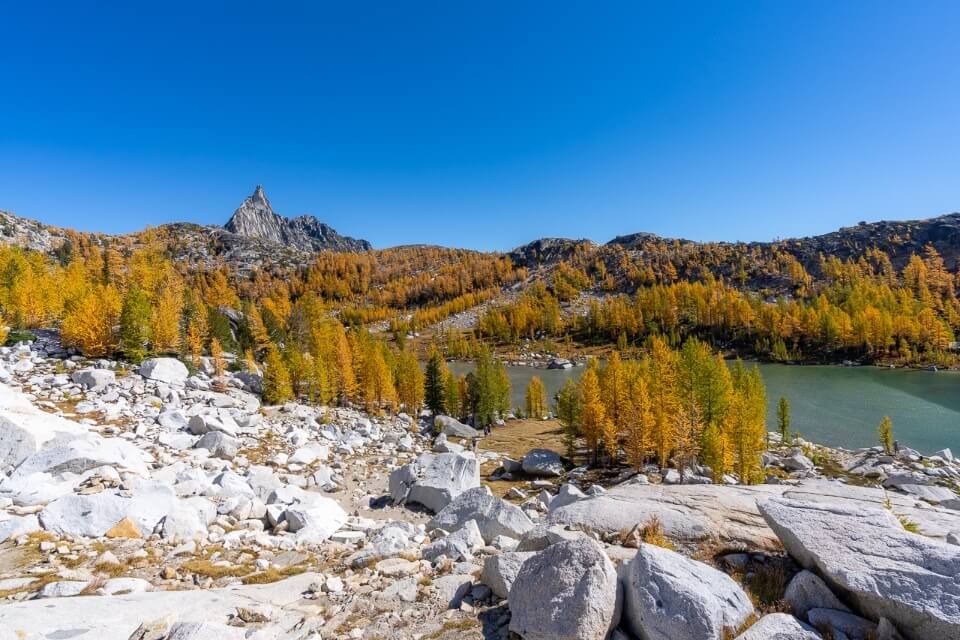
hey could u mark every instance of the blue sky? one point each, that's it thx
(484, 124)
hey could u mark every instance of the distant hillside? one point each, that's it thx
(639, 258)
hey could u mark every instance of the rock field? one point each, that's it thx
(154, 503)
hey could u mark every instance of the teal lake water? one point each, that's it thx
(837, 406)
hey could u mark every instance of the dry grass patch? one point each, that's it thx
(208, 569)
(272, 575)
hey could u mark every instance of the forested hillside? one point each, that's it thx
(876, 292)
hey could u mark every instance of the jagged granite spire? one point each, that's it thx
(255, 218)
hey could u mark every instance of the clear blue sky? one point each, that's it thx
(484, 124)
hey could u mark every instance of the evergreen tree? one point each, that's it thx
(135, 324)
(276, 379)
(435, 384)
(568, 413)
(488, 390)
(783, 419)
(451, 395)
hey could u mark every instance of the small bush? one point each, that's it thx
(20, 336)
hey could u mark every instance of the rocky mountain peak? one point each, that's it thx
(255, 218)
(259, 198)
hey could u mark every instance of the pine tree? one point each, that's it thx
(783, 419)
(451, 395)
(536, 405)
(276, 379)
(886, 434)
(435, 381)
(135, 324)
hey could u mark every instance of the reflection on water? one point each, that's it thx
(839, 406)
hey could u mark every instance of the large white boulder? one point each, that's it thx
(442, 478)
(668, 596)
(24, 429)
(90, 516)
(80, 454)
(779, 626)
(167, 370)
(872, 562)
(567, 592)
(94, 515)
(494, 516)
(117, 617)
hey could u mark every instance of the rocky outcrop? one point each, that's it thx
(692, 513)
(569, 591)
(881, 569)
(255, 218)
(117, 617)
(670, 597)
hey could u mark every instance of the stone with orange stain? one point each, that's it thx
(126, 528)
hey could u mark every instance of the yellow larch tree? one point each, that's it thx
(535, 400)
(92, 324)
